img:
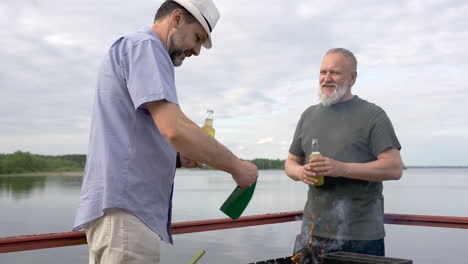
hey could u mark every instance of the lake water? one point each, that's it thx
(47, 204)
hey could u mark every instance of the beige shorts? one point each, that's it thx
(119, 237)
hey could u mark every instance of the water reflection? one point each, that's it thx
(23, 187)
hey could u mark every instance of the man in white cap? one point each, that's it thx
(139, 135)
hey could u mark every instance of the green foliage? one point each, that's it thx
(20, 162)
(79, 159)
(263, 164)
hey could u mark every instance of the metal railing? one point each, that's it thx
(32, 242)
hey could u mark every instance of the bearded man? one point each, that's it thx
(139, 135)
(360, 150)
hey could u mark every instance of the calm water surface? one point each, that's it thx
(47, 204)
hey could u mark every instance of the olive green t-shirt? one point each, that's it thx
(353, 131)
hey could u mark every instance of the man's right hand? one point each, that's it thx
(298, 172)
(246, 174)
(306, 174)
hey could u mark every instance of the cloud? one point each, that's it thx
(265, 140)
(60, 40)
(259, 77)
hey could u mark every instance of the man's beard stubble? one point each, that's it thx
(174, 53)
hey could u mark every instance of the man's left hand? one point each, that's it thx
(324, 166)
(188, 163)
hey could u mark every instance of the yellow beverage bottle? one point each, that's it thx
(208, 125)
(316, 154)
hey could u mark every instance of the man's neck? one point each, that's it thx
(347, 96)
(161, 29)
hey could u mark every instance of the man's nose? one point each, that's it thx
(327, 77)
(196, 50)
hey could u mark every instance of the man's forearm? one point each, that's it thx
(291, 168)
(196, 144)
(379, 170)
(189, 139)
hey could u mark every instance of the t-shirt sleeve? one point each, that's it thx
(149, 74)
(382, 135)
(296, 145)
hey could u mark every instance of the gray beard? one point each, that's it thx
(174, 53)
(333, 98)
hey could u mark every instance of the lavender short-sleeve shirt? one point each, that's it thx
(130, 165)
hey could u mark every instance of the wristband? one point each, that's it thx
(178, 163)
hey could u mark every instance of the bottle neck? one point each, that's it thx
(208, 122)
(315, 146)
(209, 118)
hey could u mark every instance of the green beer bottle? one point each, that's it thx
(236, 203)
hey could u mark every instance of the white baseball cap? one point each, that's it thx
(205, 12)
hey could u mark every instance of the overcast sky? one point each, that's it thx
(260, 75)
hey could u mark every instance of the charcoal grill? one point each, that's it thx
(342, 258)
(286, 260)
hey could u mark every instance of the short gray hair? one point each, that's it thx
(168, 6)
(348, 55)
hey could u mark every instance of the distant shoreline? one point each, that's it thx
(81, 173)
(46, 173)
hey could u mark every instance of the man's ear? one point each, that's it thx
(177, 18)
(354, 77)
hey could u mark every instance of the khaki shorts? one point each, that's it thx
(119, 237)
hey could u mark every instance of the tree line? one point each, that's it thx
(22, 162)
(262, 164)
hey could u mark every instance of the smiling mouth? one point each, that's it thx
(329, 85)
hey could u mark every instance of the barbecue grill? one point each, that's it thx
(286, 260)
(340, 258)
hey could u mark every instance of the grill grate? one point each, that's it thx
(343, 258)
(286, 260)
(354, 258)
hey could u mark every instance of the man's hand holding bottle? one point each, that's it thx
(246, 175)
